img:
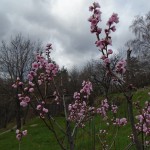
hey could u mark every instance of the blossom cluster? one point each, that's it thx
(50, 69)
(143, 118)
(20, 134)
(121, 67)
(102, 110)
(79, 111)
(18, 83)
(86, 88)
(57, 99)
(95, 18)
(42, 110)
(43, 70)
(120, 121)
(102, 43)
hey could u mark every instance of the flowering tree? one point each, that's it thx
(41, 79)
(117, 75)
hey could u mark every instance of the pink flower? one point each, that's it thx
(113, 28)
(14, 86)
(26, 99)
(20, 83)
(39, 82)
(38, 57)
(31, 90)
(26, 88)
(24, 132)
(18, 136)
(103, 57)
(30, 77)
(94, 22)
(35, 65)
(91, 8)
(109, 51)
(106, 61)
(45, 110)
(23, 104)
(38, 107)
(99, 30)
(96, 5)
(31, 83)
(113, 19)
(100, 43)
(120, 122)
(17, 131)
(120, 67)
(19, 95)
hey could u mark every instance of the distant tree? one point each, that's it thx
(140, 46)
(16, 57)
(74, 79)
(141, 28)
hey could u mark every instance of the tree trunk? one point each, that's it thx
(138, 144)
(70, 137)
(18, 115)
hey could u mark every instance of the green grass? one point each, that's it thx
(40, 138)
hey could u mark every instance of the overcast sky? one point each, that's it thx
(64, 24)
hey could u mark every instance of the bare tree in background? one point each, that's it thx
(141, 29)
(140, 45)
(16, 57)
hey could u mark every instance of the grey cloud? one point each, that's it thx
(35, 19)
(4, 25)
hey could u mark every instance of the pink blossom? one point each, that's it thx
(35, 65)
(26, 88)
(120, 122)
(100, 44)
(23, 104)
(99, 30)
(26, 99)
(113, 28)
(19, 95)
(31, 83)
(38, 107)
(24, 132)
(30, 77)
(94, 22)
(103, 57)
(109, 51)
(39, 82)
(91, 8)
(18, 136)
(106, 61)
(114, 108)
(120, 67)
(14, 86)
(113, 19)
(31, 90)
(20, 83)
(38, 57)
(17, 131)
(96, 5)
(45, 110)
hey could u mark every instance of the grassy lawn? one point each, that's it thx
(40, 138)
